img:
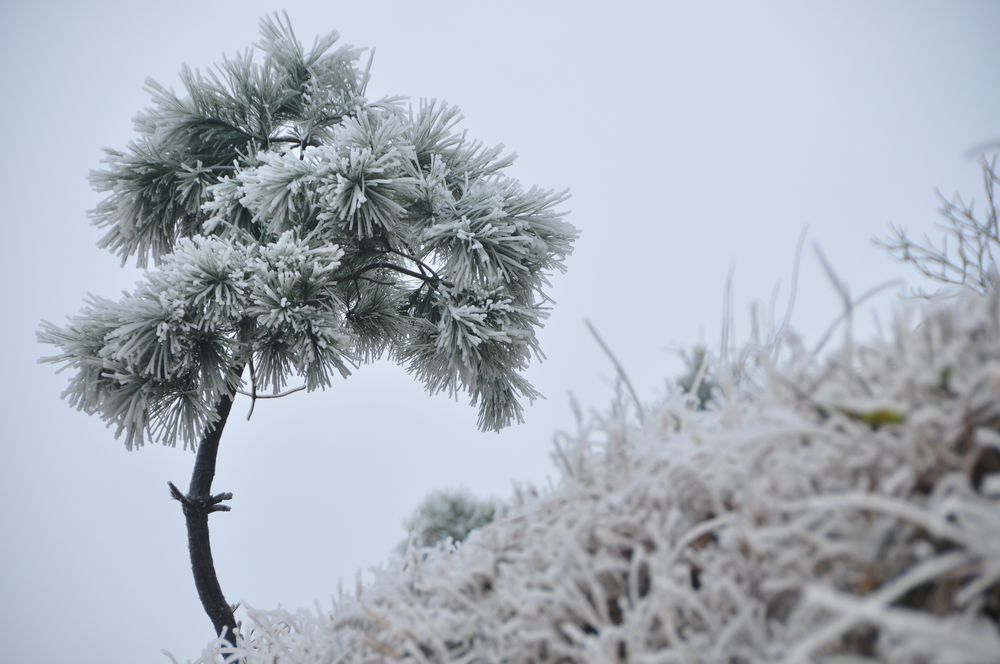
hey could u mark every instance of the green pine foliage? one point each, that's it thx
(698, 378)
(295, 228)
(448, 516)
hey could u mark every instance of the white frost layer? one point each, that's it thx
(844, 510)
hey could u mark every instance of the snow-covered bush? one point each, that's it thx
(844, 509)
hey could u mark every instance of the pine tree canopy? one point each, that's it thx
(296, 230)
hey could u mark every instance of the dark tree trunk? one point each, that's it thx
(197, 504)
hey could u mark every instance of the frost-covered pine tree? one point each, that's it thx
(296, 230)
(448, 516)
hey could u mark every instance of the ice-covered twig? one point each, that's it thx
(619, 369)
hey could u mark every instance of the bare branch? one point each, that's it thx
(384, 265)
(972, 260)
(421, 265)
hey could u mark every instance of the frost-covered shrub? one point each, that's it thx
(838, 510)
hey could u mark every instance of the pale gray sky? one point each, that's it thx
(694, 136)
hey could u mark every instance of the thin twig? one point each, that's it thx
(374, 281)
(307, 141)
(862, 298)
(845, 299)
(273, 396)
(794, 286)
(728, 335)
(971, 261)
(253, 388)
(359, 273)
(618, 368)
(420, 264)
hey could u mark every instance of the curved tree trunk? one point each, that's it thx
(197, 504)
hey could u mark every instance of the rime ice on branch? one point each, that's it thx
(298, 228)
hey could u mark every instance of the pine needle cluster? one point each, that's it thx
(298, 229)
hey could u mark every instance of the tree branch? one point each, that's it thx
(432, 280)
(421, 265)
(298, 140)
(197, 504)
(253, 387)
(273, 396)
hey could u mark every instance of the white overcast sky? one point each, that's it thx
(694, 137)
